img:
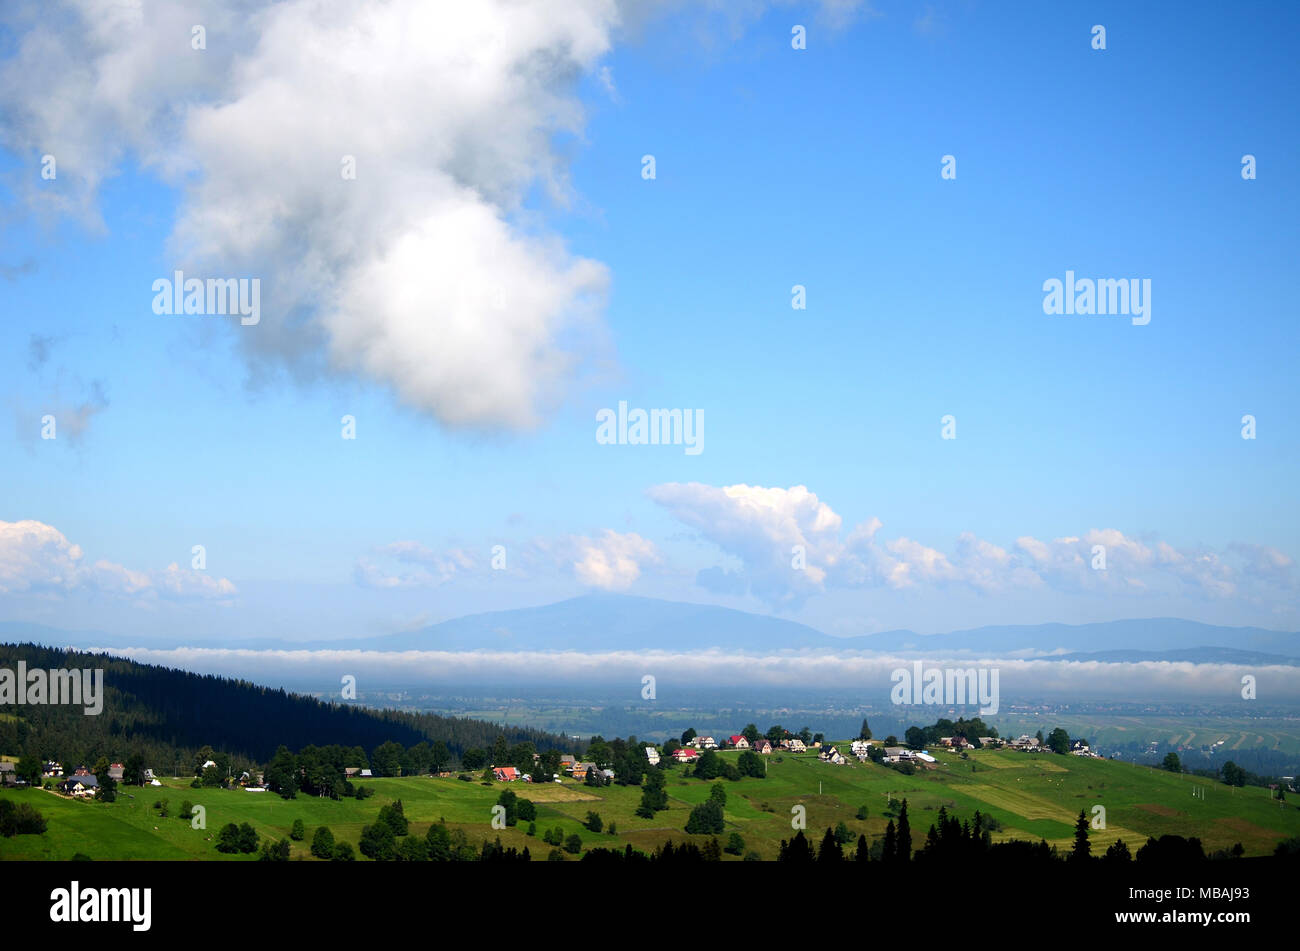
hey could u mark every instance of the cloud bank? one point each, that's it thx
(36, 558)
(792, 545)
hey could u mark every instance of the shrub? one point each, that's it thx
(322, 843)
(228, 839)
(393, 816)
(413, 849)
(378, 842)
(247, 838)
(20, 819)
(705, 819)
(275, 853)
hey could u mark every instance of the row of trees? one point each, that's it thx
(775, 733)
(918, 737)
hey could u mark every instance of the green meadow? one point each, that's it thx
(1032, 795)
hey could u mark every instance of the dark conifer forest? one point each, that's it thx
(166, 716)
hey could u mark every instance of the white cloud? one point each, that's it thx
(413, 565)
(36, 558)
(610, 560)
(424, 273)
(613, 561)
(759, 526)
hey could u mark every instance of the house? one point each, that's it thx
(209, 763)
(608, 775)
(685, 754)
(861, 749)
(8, 774)
(505, 774)
(148, 776)
(116, 771)
(704, 743)
(351, 772)
(990, 741)
(568, 761)
(897, 754)
(830, 754)
(762, 746)
(1081, 748)
(365, 774)
(652, 755)
(794, 745)
(81, 786)
(739, 742)
(52, 769)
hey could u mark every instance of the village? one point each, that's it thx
(83, 783)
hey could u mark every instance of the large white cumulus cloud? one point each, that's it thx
(424, 273)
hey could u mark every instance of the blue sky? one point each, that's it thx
(774, 167)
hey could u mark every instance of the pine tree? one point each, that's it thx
(830, 850)
(904, 844)
(1082, 850)
(863, 852)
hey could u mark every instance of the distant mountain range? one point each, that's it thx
(604, 622)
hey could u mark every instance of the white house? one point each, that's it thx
(832, 755)
(82, 787)
(652, 755)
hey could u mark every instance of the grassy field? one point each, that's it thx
(1032, 795)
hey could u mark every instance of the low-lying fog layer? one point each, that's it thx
(872, 673)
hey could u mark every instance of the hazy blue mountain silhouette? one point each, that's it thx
(603, 622)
